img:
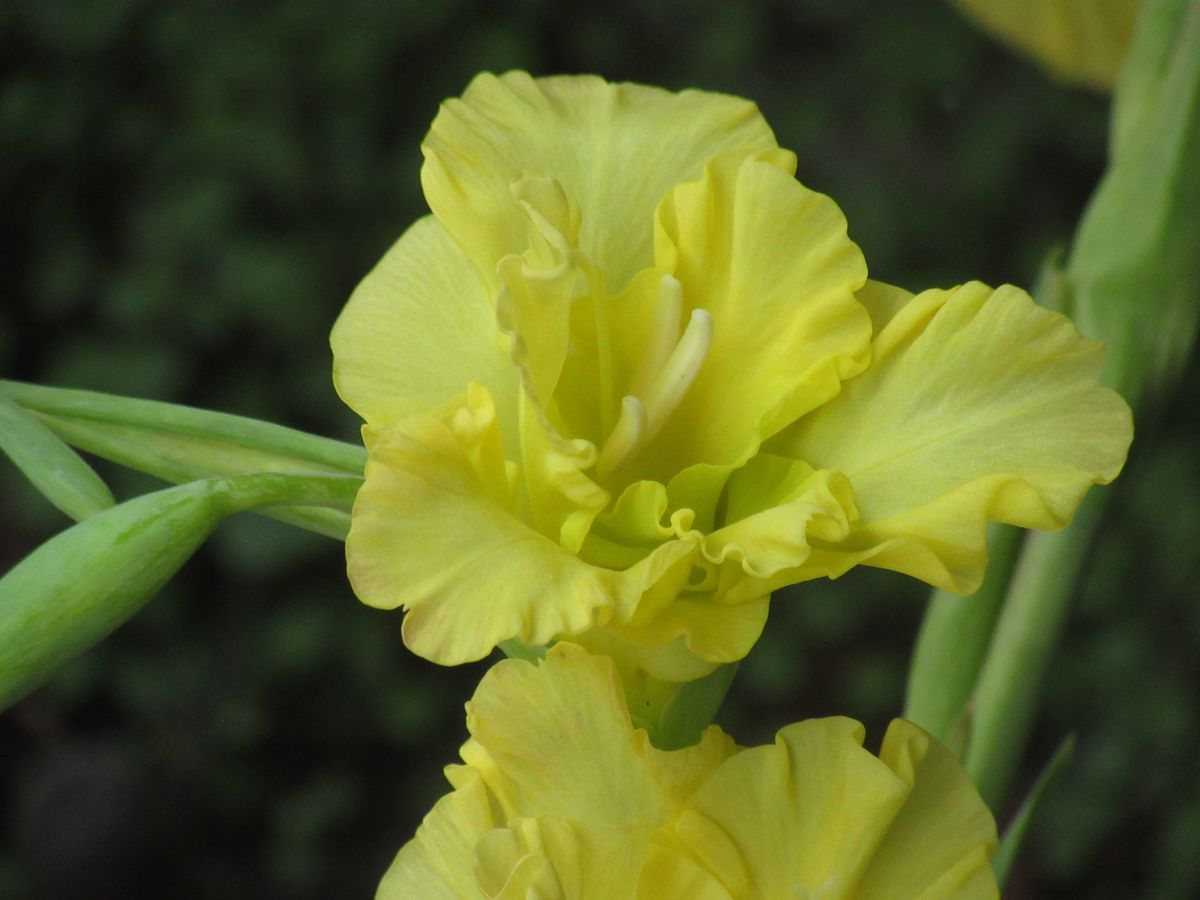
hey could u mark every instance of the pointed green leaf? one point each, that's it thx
(1014, 836)
(80, 585)
(50, 465)
(179, 443)
(181, 440)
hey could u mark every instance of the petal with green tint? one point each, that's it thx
(417, 330)
(615, 149)
(770, 262)
(538, 288)
(714, 632)
(434, 530)
(941, 842)
(775, 506)
(563, 501)
(977, 405)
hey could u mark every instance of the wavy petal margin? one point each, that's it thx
(616, 149)
(561, 794)
(771, 262)
(978, 405)
(434, 530)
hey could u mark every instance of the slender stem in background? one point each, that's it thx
(953, 643)
(1014, 835)
(1006, 697)
(91, 407)
(180, 444)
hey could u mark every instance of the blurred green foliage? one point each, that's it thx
(188, 193)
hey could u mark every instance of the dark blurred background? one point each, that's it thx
(188, 193)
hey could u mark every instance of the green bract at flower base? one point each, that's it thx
(561, 797)
(630, 377)
(80, 585)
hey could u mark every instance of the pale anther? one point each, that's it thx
(676, 377)
(664, 334)
(626, 437)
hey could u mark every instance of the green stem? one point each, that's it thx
(953, 643)
(180, 444)
(1006, 697)
(71, 405)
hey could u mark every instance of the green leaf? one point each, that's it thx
(77, 587)
(50, 465)
(1014, 836)
(1134, 273)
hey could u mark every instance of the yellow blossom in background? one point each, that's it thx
(1083, 41)
(560, 797)
(630, 377)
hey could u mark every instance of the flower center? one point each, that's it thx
(667, 370)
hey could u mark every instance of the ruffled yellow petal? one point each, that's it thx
(539, 287)
(803, 814)
(435, 864)
(977, 405)
(561, 797)
(615, 149)
(434, 529)
(770, 262)
(940, 844)
(417, 331)
(563, 500)
(1078, 40)
(775, 507)
(562, 732)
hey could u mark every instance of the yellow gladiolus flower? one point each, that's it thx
(630, 377)
(560, 797)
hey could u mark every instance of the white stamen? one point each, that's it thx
(680, 371)
(668, 367)
(664, 334)
(627, 436)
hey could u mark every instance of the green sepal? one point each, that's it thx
(81, 584)
(50, 465)
(692, 709)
